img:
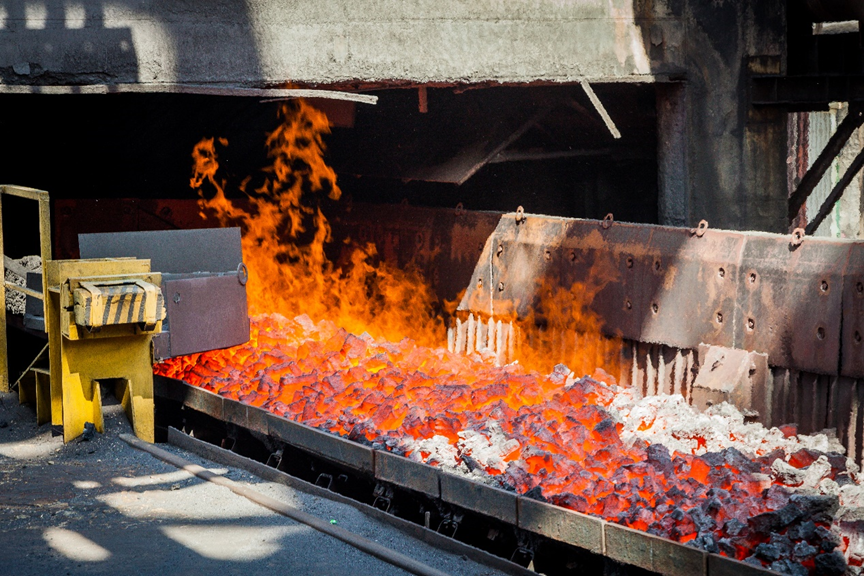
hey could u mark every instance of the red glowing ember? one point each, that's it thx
(550, 436)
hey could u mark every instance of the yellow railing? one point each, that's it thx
(45, 248)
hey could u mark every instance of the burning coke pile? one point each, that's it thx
(368, 368)
(738, 489)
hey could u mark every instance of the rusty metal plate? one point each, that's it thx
(528, 261)
(690, 286)
(852, 339)
(206, 313)
(605, 265)
(407, 473)
(334, 448)
(441, 244)
(478, 497)
(789, 301)
(652, 552)
(561, 524)
(521, 264)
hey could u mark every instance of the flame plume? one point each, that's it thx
(289, 271)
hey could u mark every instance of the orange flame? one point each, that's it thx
(561, 329)
(285, 233)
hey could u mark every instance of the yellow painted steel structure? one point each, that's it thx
(118, 307)
(43, 200)
(85, 359)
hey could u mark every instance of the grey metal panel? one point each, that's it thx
(234, 412)
(652, 552)
(256, 419)
(561, 524)
(206, 313)
(169, 388)
(722, 566)
(327, 445)
(478, 497)
(407, 473)
(170, 251)
(204, 401)
(162, 343)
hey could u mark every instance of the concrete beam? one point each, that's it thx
(265, 43)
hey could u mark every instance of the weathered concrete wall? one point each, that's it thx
(719, 159)
(270, 42)
(730, 155)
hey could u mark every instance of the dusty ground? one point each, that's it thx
(101, 507)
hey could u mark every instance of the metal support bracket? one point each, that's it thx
(383, 497)
(835, 145)
(598, 105)
(836, 193)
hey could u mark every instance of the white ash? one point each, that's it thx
(488, 448)
(15, 269)
(474, 453)
(671, 421)
(438, 451)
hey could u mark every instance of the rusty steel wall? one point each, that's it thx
(801, 301)
(659, 293)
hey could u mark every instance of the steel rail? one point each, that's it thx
(363, 544)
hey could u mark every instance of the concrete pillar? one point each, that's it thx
(719, 158)
(673, 184)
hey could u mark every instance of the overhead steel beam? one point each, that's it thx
(269, 94)
(806, 92)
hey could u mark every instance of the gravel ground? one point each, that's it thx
(102, 507)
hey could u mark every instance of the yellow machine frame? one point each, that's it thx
(45, 252)
(82, 360)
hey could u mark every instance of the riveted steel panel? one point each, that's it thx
(652, 552)
(690, 286)
(442, 244)
(789, 301)
(478, 497)
(604, 265)
(332, 447)
(561, 524)
(407, 473)
(521, 263)
(852, 339)
(529, 261)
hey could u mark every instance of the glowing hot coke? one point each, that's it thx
(368, 368)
